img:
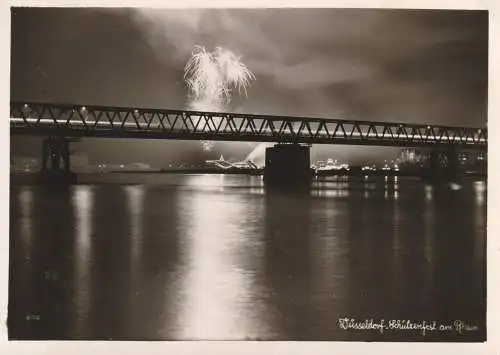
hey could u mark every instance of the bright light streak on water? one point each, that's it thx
(480, 222)
(135, 205)
(330, 189)
(396, 184)
(82, 202)
(27, 245)
(328, 253)
(214, 284)
(135, 201)
(221, 182)
(257, 185)
(428, 192)
(397, 253)
(206, 182)
(26, 209)
(257, 190)
(334, 193)
(429, 246)
(480, 188)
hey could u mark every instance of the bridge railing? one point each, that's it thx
(70, 120)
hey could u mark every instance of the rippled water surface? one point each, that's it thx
(161, 257)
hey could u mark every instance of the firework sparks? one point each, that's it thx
(211, 77)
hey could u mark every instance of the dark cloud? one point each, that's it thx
(387, 61)
(413, 66)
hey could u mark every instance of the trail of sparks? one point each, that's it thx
(211, 78)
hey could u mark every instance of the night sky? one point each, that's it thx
(387, 65)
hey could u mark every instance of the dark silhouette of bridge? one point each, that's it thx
(60, 122)
(119, 122)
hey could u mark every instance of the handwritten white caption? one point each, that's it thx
(423, 327)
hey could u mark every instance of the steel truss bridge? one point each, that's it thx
(118, 122)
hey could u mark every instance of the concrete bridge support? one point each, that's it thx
(288, 166)
(56, 162)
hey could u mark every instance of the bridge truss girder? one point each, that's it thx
(116, 122)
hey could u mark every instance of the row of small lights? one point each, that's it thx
(83, 108)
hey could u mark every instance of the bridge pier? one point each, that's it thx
(56, 162)
(288, 166)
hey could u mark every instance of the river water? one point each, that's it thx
(216, 257)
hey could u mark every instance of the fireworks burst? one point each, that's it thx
(211, 77)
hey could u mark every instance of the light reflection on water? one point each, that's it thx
(217, 285)
(26, 206)
(480, 189)
(429, 245)
(135, 200)
(480, 223)
(428, 192)
(398, 257)
(26, 266)
(211, 283)
(82, 202)
(218, 258)
(135, 206)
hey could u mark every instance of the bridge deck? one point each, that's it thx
(119, 122)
